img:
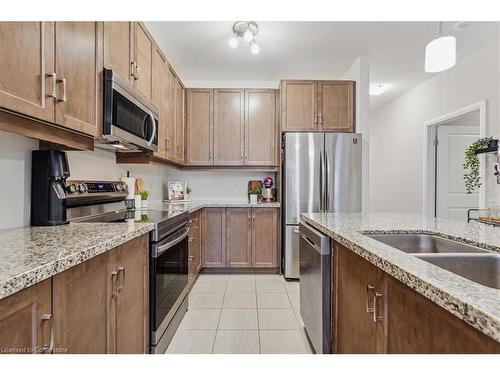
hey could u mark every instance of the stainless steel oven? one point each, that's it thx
(130, 121)
(168, 281)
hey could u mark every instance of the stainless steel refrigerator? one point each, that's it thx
(321, 173)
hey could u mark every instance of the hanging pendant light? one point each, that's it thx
(440, 53)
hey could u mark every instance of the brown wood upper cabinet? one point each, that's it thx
(260, 127)
(27, 77)
(229, 119)
(318, 106)
(51, 72)
(200, 126)
(179, 121)
(159, 98)
(143, 58)
(231, 127)
(119, 48)
(25, 320)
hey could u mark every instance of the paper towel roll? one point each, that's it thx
(130, 181)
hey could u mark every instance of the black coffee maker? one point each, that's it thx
(49, 171)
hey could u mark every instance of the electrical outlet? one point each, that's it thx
(236, 186)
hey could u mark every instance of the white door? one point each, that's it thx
(452, 201)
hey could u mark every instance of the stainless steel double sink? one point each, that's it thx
(472, 262)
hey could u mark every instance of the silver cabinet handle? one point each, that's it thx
(132, 69)
(369, 289)
(136, 72)
(121, 285)
(47, 319)
(376, 296)
(63, 81)
(191, 257)
(320, 117)
(114, 276)
(52, 94)
(167, 144)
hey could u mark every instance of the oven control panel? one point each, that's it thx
(95, 187)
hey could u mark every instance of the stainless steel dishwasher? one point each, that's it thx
(315, 287)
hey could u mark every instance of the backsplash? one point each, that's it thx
(218, 184)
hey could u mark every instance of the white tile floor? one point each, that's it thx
(242, 314)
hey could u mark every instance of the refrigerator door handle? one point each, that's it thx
(327, 182)
(321, 183)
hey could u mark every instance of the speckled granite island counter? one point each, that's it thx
(29, 255)
(476, 304)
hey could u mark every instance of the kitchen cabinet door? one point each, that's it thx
(143, 59)
(336, 109)
(213, 237)
(264, 237)
(118, 48)
(82, 306)
(132, 302)
(159, 98)
(260, 127)
(357, 281)
(179, 121)
(25, 320)
(238, 237)
(27, 77)
(199, 127)
(299, 106)
(417, 325)
(194, 244)
(170, 150)
(229, 126)
(77, 64)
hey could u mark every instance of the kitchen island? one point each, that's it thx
(476, 305)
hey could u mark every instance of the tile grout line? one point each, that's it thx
(218, 321)
(257, 308)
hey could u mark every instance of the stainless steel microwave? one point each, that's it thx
(130, 122)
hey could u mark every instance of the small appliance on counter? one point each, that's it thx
(48, 187)
(268, 193)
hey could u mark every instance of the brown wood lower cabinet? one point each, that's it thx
(25, 320)
(132, 302)
(375, 313)
(248, 239)
(194, 244)
(213, 234)
(356, 282)
(99, 306)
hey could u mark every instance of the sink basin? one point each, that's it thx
(424, 243)
(483, 269)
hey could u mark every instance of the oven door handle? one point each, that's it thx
(161, 249)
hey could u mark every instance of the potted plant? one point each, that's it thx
(472, 178)
(144, 198)
(253, 194)
(187, 195)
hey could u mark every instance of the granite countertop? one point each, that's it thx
(476, 304)
(197, 204)
(29, 255)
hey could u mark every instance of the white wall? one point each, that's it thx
(360, 72)
(15, 179)
(396, 129)
(100, 165)
(218, 184)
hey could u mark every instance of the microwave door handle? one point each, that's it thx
(153, 133)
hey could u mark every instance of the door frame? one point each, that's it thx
(429, 158)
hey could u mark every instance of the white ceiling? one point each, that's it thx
(199, 51)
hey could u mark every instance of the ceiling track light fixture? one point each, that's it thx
(246, 30)
(440, 53)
